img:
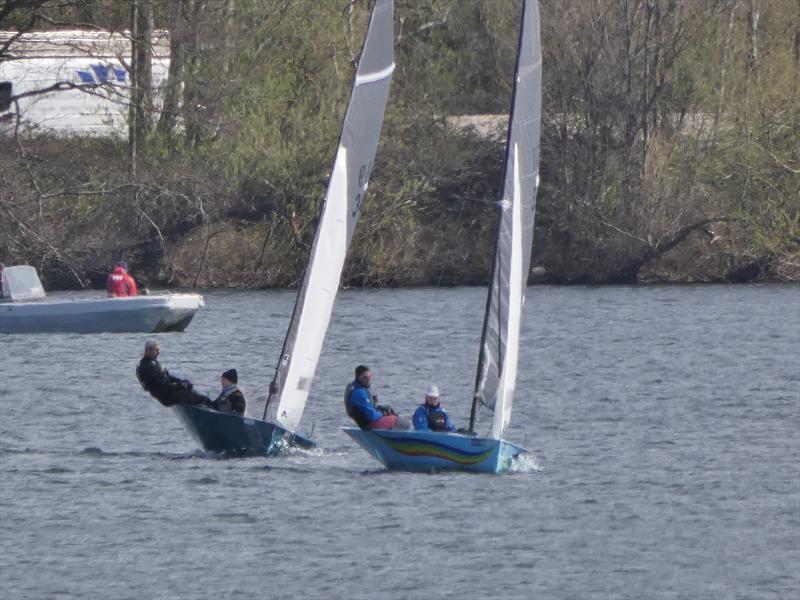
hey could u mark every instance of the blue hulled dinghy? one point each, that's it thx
(499, 349)
(355, 155)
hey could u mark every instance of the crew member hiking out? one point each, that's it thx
(167, 389)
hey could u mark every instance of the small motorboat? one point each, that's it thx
(25, 308)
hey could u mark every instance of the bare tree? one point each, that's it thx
(141, 104)
(179, 32)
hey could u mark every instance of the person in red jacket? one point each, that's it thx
(119, 283)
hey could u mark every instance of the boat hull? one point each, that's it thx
(236, 435)
(138, 314)
(434, 451)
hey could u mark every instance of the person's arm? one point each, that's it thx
(238, 403)
(361, 400)
(175, 383)
(420, 419)
(448, 424)
(132, 291)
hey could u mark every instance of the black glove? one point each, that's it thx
(385, 410)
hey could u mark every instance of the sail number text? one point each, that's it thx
(363, 179)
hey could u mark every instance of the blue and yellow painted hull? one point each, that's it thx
(235, 435)
(433, 451)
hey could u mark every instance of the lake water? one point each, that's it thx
(663, 425)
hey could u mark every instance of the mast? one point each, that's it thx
(473, 413)
(355, 155)
(497, 361)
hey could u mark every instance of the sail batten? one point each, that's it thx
(499, 351)
(347, 187)
(376, 76)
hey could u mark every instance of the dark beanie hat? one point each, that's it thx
(231, 375)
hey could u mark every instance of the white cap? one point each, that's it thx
(433, 391)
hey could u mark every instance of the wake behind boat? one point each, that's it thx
(355, 155)
(499, 349)
(28, 310)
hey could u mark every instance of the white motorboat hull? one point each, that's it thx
(137, 314)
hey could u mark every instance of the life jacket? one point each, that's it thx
(437, 421)
(231, 400)
(121, 284)
(359, 417)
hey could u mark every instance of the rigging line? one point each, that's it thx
(481, 353)
(273, 386)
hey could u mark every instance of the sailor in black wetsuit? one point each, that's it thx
(165, 388)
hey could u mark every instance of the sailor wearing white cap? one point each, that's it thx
(430, 416)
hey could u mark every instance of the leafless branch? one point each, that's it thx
(24, 229)
(158, 231)
(626, 233)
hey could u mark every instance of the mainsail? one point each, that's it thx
(358, 144)
(497, 363)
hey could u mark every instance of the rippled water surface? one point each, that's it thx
(663, 425)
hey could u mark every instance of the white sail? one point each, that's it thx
(497, 364)
(516, 284)
(348, 183)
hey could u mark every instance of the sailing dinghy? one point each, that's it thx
(358, 143)
(499, 349)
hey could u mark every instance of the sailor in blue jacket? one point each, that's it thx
(430, 416)
(361, 405)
